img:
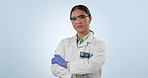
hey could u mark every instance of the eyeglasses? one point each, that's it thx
(80, 18)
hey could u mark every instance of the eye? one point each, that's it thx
(82, 16)
(73, 18)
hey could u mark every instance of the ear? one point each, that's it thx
(90, 18)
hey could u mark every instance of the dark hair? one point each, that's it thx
(81, 7)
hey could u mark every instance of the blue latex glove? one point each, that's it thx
(59, 60)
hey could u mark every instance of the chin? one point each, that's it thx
(80, 31)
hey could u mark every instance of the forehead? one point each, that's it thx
(77, 12)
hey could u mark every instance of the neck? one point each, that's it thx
(81, 35)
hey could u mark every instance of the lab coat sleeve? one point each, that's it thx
(57, 70)
(92, 65)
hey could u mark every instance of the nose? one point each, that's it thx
(78, 20)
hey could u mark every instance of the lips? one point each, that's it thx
(79, 26)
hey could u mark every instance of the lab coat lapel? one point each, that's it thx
(89, 40)
(73, 41)
(75, 51)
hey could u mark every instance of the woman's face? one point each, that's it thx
(80, 21)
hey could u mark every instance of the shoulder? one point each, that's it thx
(98, 44)
(98, 41)
(66, 40)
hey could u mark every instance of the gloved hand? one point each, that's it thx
(59, 60)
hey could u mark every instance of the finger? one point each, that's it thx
(58, 56)
(54, 60)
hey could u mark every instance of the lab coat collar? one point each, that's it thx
(88, 40)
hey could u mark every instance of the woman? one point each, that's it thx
(82, 55)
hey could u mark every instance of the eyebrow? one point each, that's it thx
(79, 15)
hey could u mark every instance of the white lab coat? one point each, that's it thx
(86, 68)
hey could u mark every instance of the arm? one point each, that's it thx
(57, 70)
(91, 65)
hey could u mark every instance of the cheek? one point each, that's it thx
(73, 25)
(86, 22)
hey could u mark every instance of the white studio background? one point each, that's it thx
(30, 30)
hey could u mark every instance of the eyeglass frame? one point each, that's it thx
(80, 17)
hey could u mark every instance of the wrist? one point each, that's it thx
(68, 66)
